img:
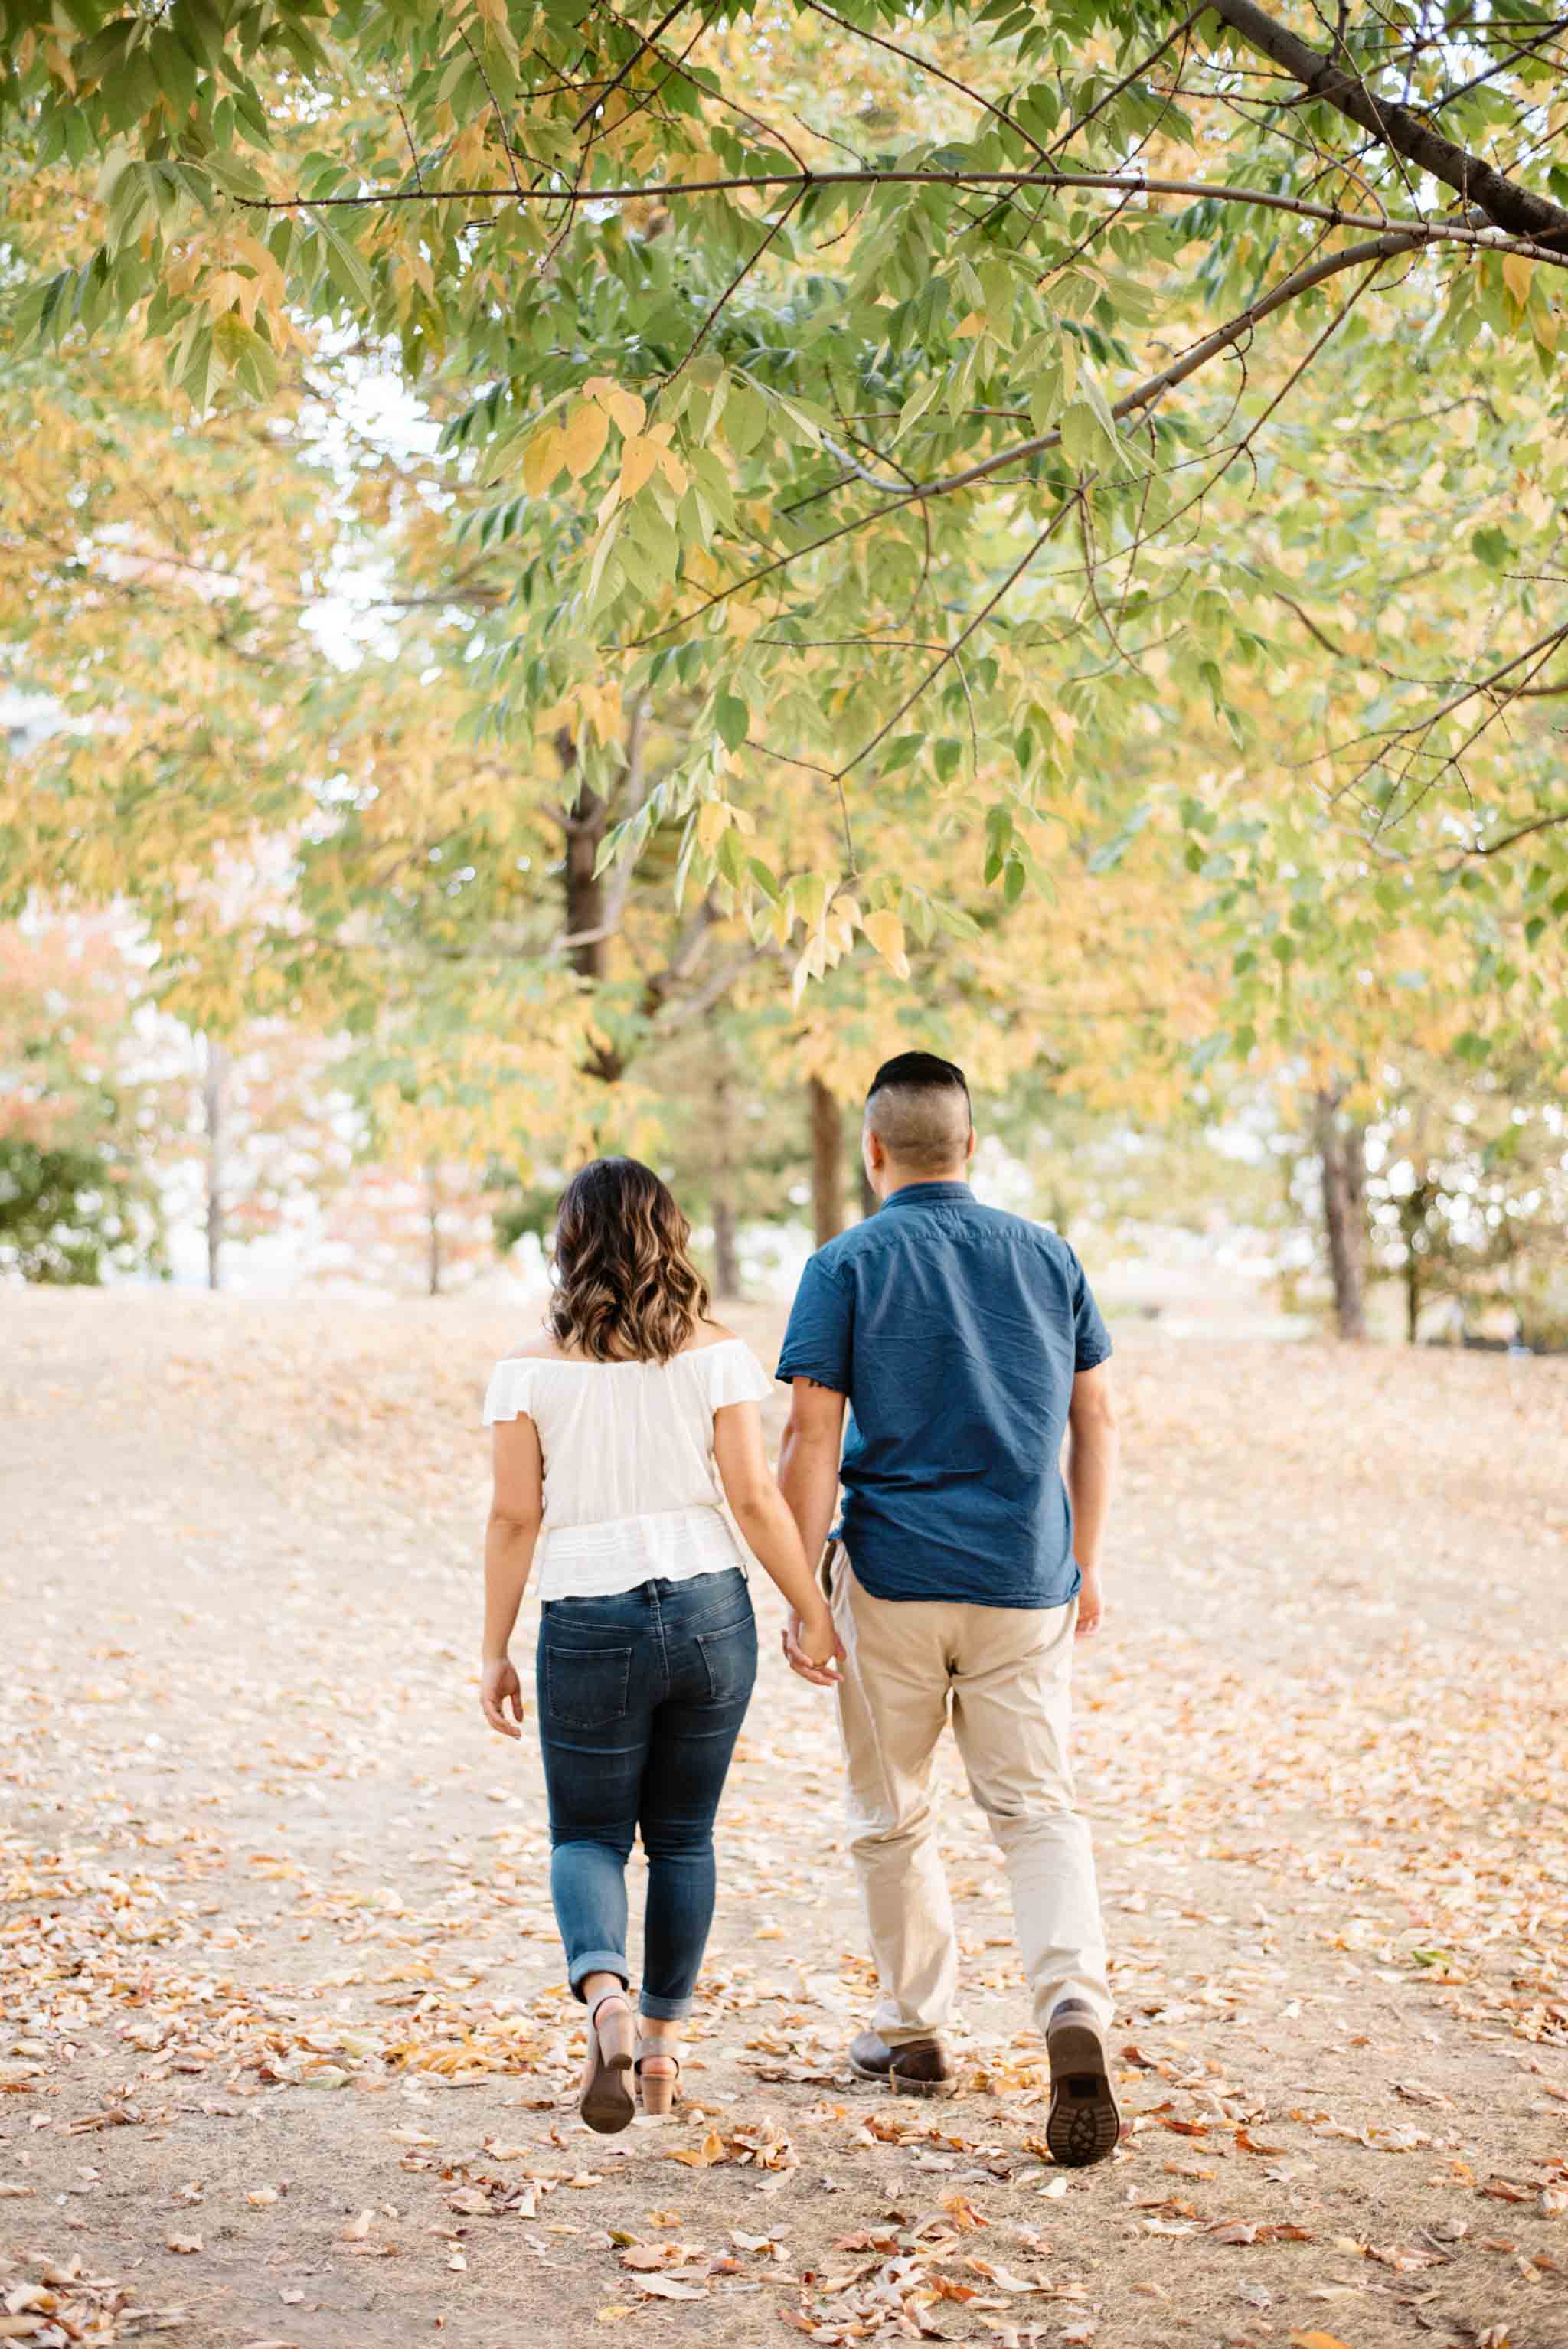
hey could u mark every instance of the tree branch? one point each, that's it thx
(1440, 232)
(1518, 210)
(1300, 281)
(1495, 847)
(644, 45)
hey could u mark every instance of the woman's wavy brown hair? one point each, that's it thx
(625, 1289)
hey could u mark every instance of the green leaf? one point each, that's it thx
(900, 752)
(744, 417)
(733, 719)
(1081, 434)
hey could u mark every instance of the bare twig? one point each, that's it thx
(983, 614)
(517, 187)
(644, 45)
(734, 287)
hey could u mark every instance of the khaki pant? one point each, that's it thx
(1006, 1673)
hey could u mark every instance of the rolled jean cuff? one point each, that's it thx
(598, 1961)
(664, 2010)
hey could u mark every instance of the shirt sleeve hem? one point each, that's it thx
(792, 1367)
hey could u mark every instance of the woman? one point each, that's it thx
(618, 1435)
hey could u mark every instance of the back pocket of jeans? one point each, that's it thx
(729, 1660)
(587, 1688)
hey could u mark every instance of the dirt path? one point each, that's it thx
(278, 1979)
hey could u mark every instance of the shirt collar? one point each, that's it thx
(930, 1194)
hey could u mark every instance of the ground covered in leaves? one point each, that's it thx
(285, 2057)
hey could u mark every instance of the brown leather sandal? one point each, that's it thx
(606, 2102)
(658, 2090)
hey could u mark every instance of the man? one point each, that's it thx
(967, 1344)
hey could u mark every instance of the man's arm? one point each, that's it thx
(809, 1480)
(1092, 1445)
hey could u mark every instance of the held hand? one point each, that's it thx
(812, 1648)
(499, 1687)
(1090, 1604)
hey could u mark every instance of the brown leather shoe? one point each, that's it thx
(1084, 2122)
(919, 2068)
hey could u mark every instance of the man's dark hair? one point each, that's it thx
(918, 1108)
(919, 1071)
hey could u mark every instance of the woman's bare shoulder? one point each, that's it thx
(710, 1333)
(541, 1349)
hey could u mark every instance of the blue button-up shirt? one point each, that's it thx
(956, 1332)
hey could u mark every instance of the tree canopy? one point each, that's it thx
(1042, 521)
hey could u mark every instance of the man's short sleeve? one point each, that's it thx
(818, 1343)
(1092, 1339)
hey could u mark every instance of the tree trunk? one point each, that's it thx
(826, 1163)
(1341, 1157)
(586, 820)
(213, 1104)
(726, 1256)
(1413, 1214)
(433, 1230)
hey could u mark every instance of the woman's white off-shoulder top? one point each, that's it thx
(630, 1490)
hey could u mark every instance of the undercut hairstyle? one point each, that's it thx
(625, 1289)
(918, 1108)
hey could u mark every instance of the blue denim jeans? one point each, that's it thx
(641, 1698)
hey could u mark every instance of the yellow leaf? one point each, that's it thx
(638, 460)
(713, 821)
(1516, 276)
(1316, 2340)
(626, 409)
(601, 708)
(541, 460)
(975, 323)
(885, 932)
(674, 471)
(583, 441)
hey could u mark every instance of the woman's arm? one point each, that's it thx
(765, 1520)
(511, 1536)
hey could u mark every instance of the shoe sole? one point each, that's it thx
(607, 2104)
(1085, 2121)
(901, 2086)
